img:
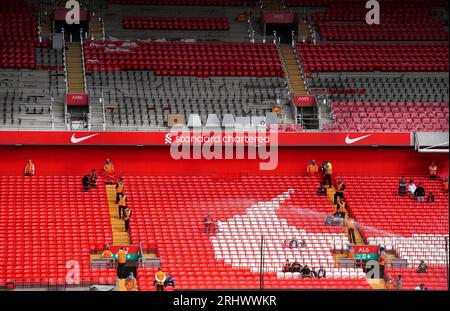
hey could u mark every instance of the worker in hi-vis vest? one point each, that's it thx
(312, 168)
(29, 168)
(122, 204)
(127, 217)
(131, 283)
(120, 189)
(121, 262)
(108, 167)
(160, 278)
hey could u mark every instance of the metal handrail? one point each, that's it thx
(83, 61)
(65, 62)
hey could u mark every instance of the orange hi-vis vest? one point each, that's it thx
(160, 277)
(130, 284)
(121, 256)
(382, 259)
(107, 254)
(445, 185)
(29, 168)
(119, 188)
(312, 169)
(339, 187)
(123, 201)
(109, 168)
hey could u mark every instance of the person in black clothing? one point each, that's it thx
(296, 267)
(305, 271)
(321, 273)
(420, 193)
(322, 190)
(93, 179)
(86, 183)
(430, 198)
(327, 173)
(313, 273)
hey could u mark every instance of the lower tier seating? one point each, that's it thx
(49, 221)
(279, 207)
(434, 279)
(384, 212)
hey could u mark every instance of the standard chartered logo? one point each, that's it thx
(228, 145)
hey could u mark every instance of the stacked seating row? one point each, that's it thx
(176, 23)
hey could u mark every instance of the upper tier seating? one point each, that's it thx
(373, 57)
(18, 35)
(185, 59)
(183, 201)
(50, 217)
(26, 98)
(141, 99)
(187, 2)
(390, 117)
(382, 87)
(416, 31)
(176, 23)
(340, 3)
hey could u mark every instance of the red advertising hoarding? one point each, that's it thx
(304, 100)
(77, 99)
(283, 139)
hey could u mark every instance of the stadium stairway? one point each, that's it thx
(376, 284)
(96, 27)
(304, 32)
(120, 236)
(293, 71)
(74, 65)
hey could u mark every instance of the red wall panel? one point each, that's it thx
(78, 160)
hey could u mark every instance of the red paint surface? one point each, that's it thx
(77, 160)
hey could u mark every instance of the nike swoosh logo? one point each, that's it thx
(350, 141)
(75, 140)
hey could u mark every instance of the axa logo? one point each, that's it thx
(75, 140)
(73, 15)
(350, 141)
(168, 139)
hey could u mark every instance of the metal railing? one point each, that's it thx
(83, 61)
(52, 115)
(65, 61)
(102, 101)
(288, 84)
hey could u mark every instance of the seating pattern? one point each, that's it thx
(417, 31)
(382, 87)
(390, 117)
(185, 200)
(434, 279)
(48, 221)
(193, 59)
(387, 213)
(373, 57)
(176, 23)
(18, 36)
(187, 2)
(429, 247)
